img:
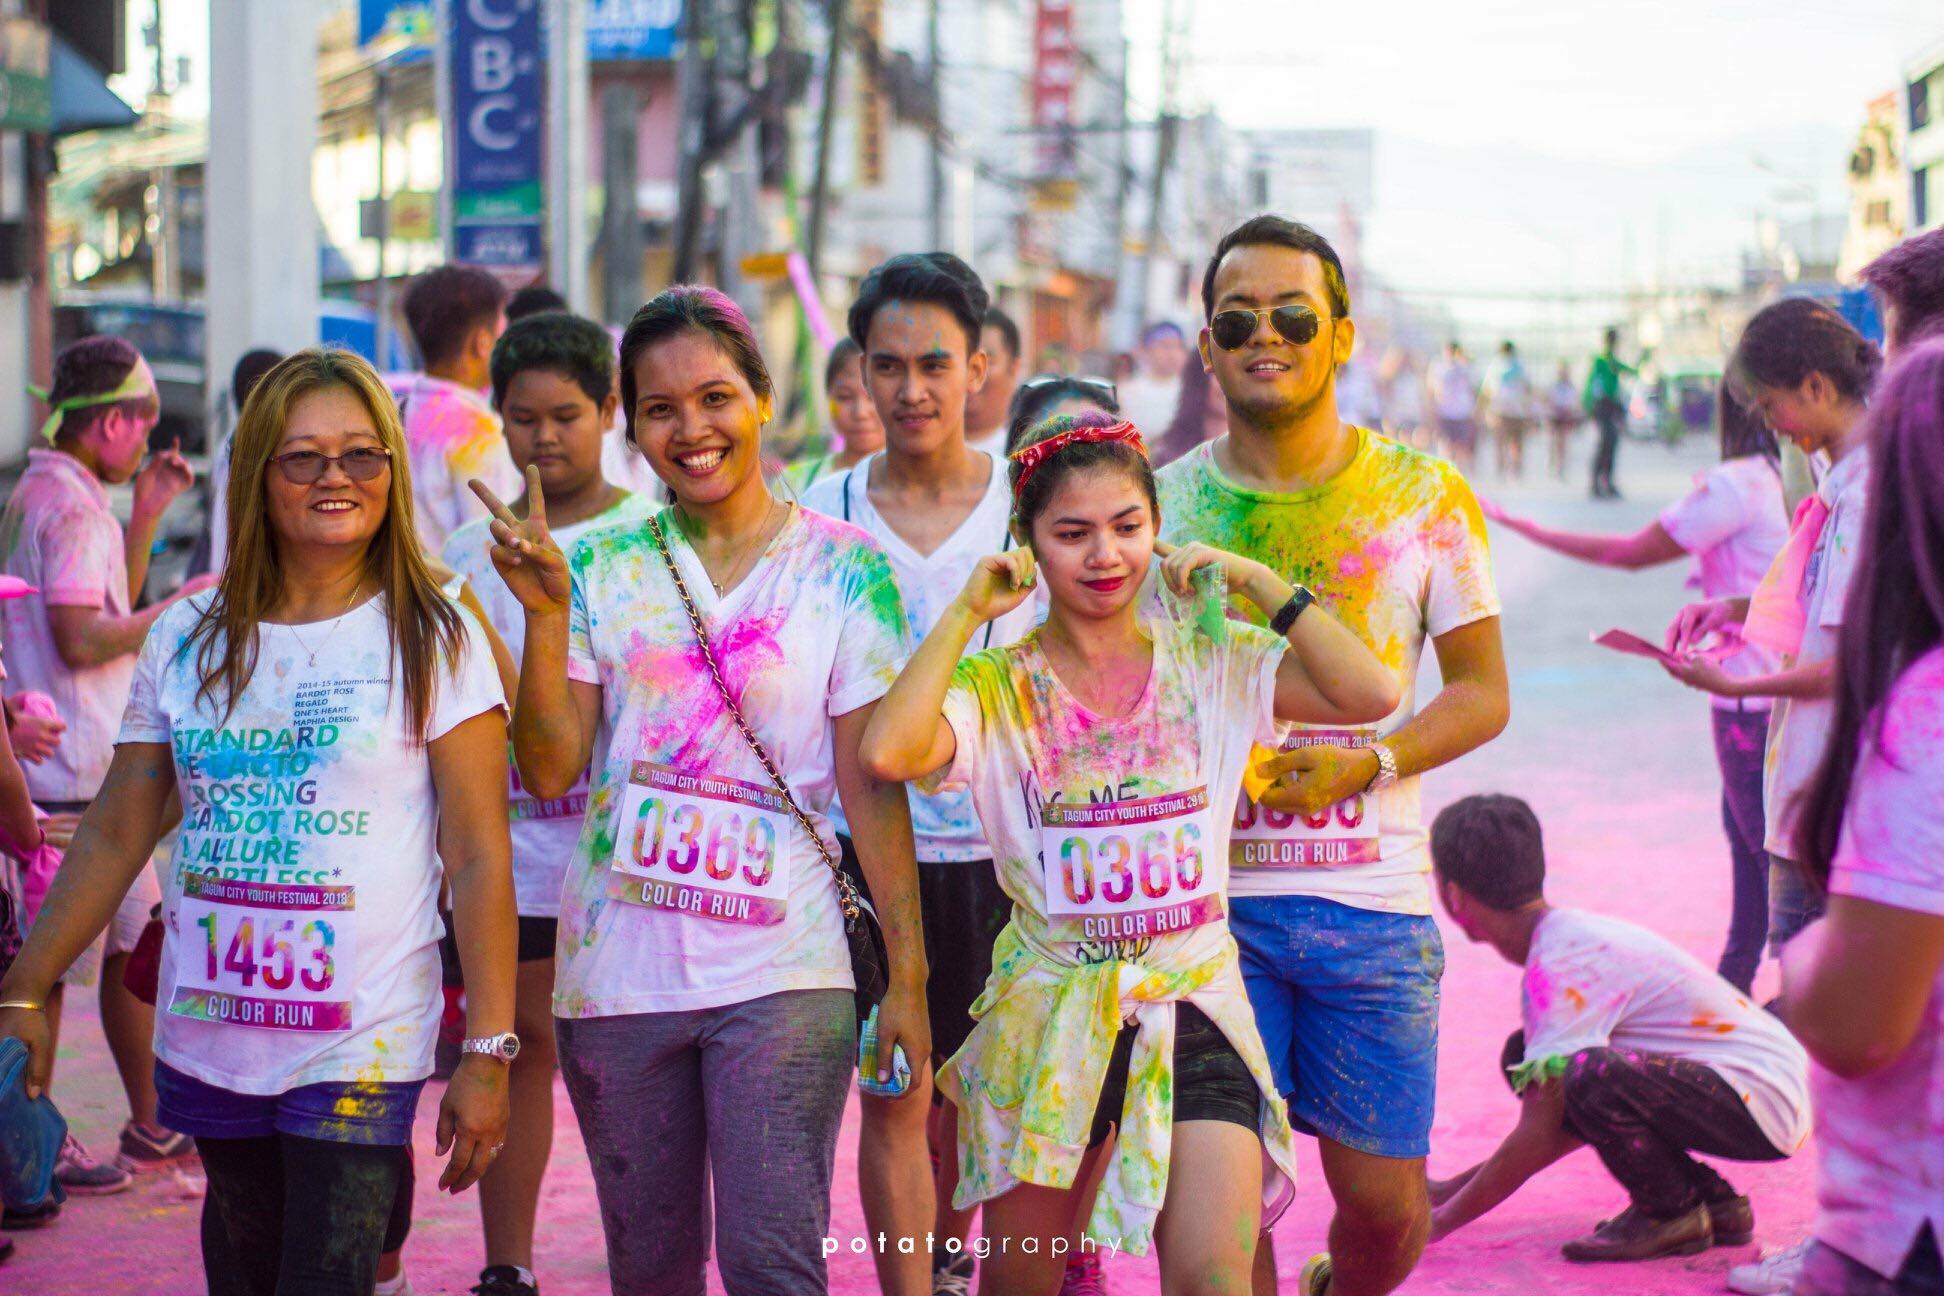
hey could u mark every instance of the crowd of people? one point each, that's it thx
(1041, 758)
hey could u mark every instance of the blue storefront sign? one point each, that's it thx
(498, 97)
(632, 29)
(616, 29)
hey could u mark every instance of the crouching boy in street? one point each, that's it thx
(1629, 1044)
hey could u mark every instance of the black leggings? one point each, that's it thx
(290, 1216)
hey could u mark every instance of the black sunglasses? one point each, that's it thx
(1232, 329)
(1103, 388)
(303, 467)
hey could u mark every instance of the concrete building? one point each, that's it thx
(1924, 138)
(1324, 178)
(1879, 188)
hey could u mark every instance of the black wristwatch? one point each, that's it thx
(1286, 615)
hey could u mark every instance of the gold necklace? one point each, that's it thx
(729, 578)
(311, 653)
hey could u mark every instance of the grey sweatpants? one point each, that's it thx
(749, 1097)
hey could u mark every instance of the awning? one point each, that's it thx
(82, 99)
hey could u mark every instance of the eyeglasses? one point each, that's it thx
(304, 467)
(1232, 329)
(1100, 388)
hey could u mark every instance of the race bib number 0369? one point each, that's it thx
(1340, 835)
(264, 954)
(704, 845)
(1124, 870)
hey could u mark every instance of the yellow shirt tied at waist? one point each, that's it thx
(1029, 1078)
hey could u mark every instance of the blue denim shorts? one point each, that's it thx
(375, 1114)
(1346, 1000)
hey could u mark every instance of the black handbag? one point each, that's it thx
(870, 966)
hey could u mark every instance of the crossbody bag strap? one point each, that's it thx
(846, 890)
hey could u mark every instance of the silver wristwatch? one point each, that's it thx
(1386, 768)
(505, 1046)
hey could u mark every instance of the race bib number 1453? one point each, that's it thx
(264, 954)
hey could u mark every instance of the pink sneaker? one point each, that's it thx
(83, 1176)
(1084, 1276)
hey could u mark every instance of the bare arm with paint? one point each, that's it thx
(880, 821)
(1470, 711)
(1856, 985)
(1811, 682)
(469, 777)
(1328, 676)
(554, 718)
(111, 845)
(1539, 1139)
(908, 736)
(1648, 547)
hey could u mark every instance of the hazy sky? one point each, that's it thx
(1556, 145)
(1535, 146)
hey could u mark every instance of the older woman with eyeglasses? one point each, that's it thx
(335, 730)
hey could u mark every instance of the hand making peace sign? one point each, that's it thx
(524, 552)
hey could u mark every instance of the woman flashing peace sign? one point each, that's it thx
(729, 650)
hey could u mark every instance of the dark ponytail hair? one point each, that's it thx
(1743, 430)
(1895, 610)
(1032, 399)
(1074, 457)
(1793, 338)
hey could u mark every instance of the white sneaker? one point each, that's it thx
(1774, 1274)
(399, 1286)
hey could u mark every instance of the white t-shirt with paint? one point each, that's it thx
(693, 886)
(1395, 548)
(1734, 523)
(301, 909)
(1881, 1136)
(1799, 727)
(59, 535)
(1598, 982)
(946, 826)
(1070, 798)
(544, 829)
(1149, 403)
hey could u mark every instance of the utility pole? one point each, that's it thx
(937, 125)
(165, 252)
(1164, 151)
(693, 80)
(381, 123)
(566, 35)
(620, 221)
(838, 17)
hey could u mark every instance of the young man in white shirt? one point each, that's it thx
(936, 507)
(77, 643)
(1628, 1044)
(987, 409)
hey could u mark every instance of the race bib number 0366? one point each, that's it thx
(1340, 835)
(704, 845)
(264, 954)
(1124, 870)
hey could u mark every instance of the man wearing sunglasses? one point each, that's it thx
(1331, 900)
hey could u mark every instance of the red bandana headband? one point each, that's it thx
(1029, 458)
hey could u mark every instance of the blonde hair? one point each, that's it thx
(425, 628)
